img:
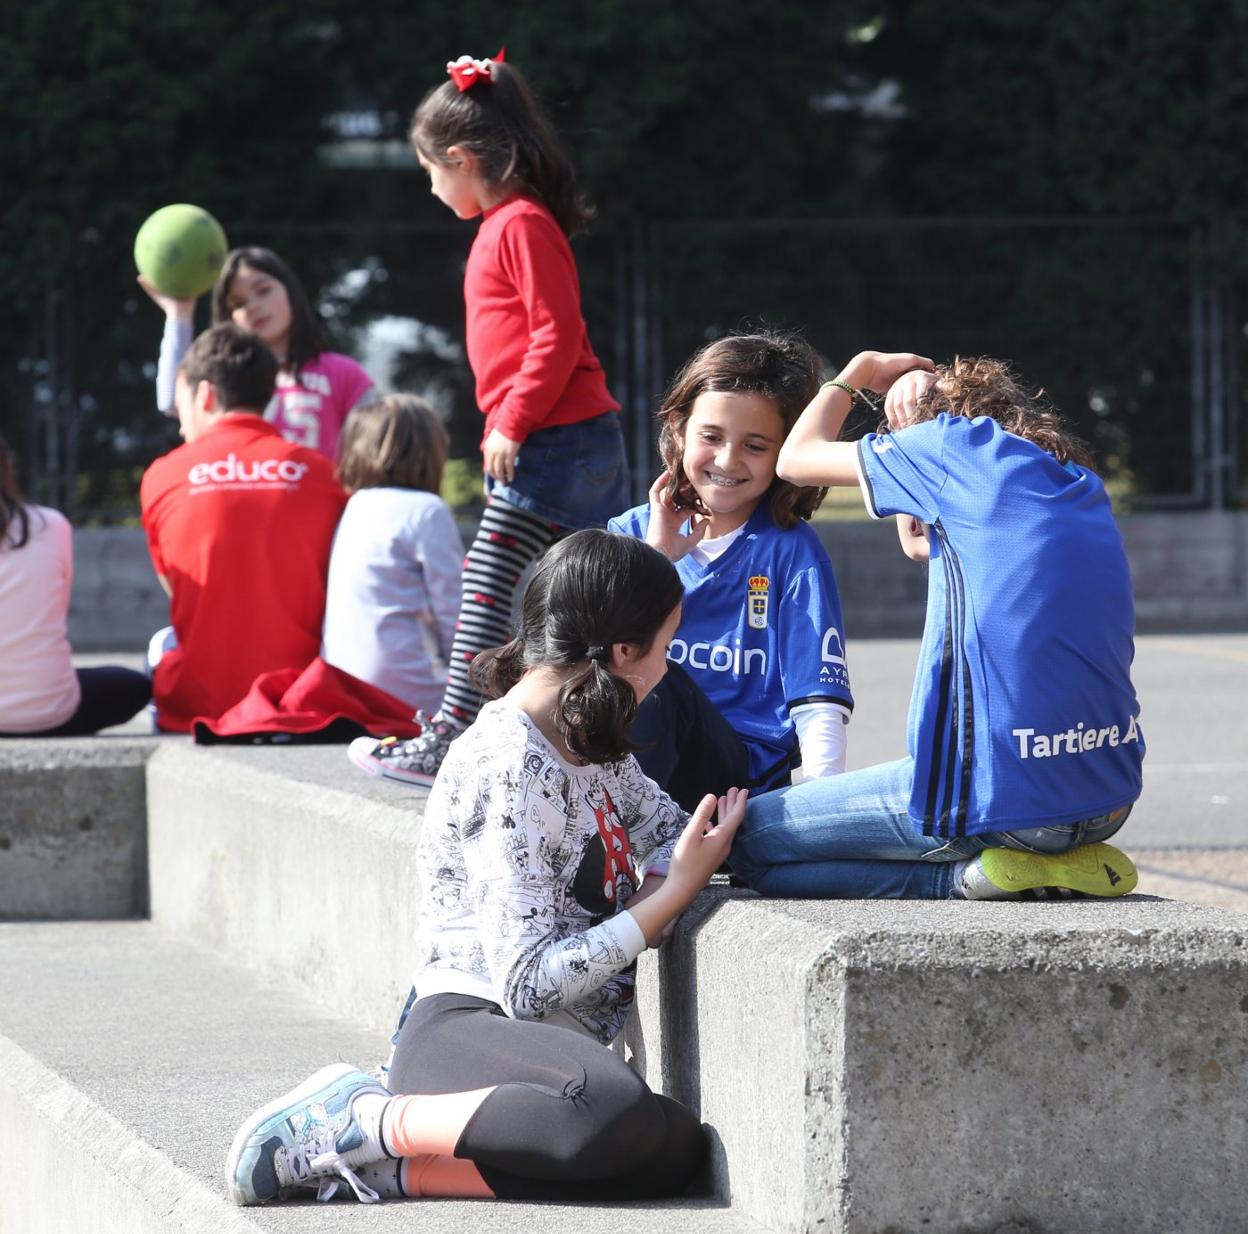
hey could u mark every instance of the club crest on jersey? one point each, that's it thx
(756, 601)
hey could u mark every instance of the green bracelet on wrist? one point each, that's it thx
(842, 385)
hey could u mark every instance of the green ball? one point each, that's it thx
(180, 250)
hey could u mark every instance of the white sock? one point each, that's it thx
(368, 1109)
(385, 1178)
(958, 890)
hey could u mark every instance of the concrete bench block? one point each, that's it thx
(864, 1067)
(129, 1063)
(73, 836)
(289, 861)
(896, 1067)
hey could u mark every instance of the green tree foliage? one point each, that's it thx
(674, 111)
(1096, 109)
(1082, 107)
(114, 108)
(678, 115)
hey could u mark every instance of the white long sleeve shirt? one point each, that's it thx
(526, 865)
(393, 593)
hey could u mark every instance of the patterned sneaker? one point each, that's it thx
(310, 1138)
(415, 761)
(1006, 873)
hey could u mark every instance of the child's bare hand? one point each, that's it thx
(901, 405)
(707, 838)
(500, 457)
(877, 370)
(171, 306)
(912, 532)
(664, 531)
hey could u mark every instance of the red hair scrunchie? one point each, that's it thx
(466, 72)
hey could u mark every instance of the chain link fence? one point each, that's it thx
(1134, 327)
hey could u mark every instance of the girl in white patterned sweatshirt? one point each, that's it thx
(537, 836)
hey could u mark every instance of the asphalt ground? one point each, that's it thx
(1188, 832)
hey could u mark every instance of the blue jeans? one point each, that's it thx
(849, 837)
(573, 475)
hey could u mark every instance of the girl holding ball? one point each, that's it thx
(258, 291)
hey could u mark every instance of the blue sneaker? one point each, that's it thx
(310, 1138)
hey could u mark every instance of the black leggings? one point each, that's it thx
(110, 695)
(568, 1120)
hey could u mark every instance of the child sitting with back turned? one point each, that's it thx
(1025, 747)
(239, 524)
(41, 693)
(394, 572)
(761, 632)
(535, 841)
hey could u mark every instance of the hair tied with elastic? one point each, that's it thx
(597, 654)
(466, 72)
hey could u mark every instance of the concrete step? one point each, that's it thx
(289, 859)
(863, 1066)
(73, 832)
(128, 1063)
(914, 1066)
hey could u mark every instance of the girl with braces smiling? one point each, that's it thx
(768, 687)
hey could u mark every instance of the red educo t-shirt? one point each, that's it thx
(240, 522)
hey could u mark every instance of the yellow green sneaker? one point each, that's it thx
(1007, 873)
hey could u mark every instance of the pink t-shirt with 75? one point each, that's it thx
(309, 410)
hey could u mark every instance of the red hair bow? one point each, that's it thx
(466, 72)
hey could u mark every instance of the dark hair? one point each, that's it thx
(238, 364)
(397, 442)
(986, 387)
(13, 512)
(780, 366)
(307, 335)
(500, 121)
(589, 592)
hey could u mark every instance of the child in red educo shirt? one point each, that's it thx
(553, 447)
(239, 524)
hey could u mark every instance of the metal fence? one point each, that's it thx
(1133, 326)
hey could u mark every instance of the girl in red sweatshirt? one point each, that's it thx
(552, 443)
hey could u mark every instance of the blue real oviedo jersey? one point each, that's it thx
(1023, 713)
(761, 633)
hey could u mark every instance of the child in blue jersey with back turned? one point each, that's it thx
(761, 635)
(1025, 745)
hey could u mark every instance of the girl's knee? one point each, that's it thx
(620, 1122)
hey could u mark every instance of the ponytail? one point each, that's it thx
(595, 711)
(591, 591)
(499, 120)
(495, 671)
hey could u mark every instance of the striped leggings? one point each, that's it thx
(507, 542)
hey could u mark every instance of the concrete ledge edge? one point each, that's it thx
(168, 1193)
(386, 820)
